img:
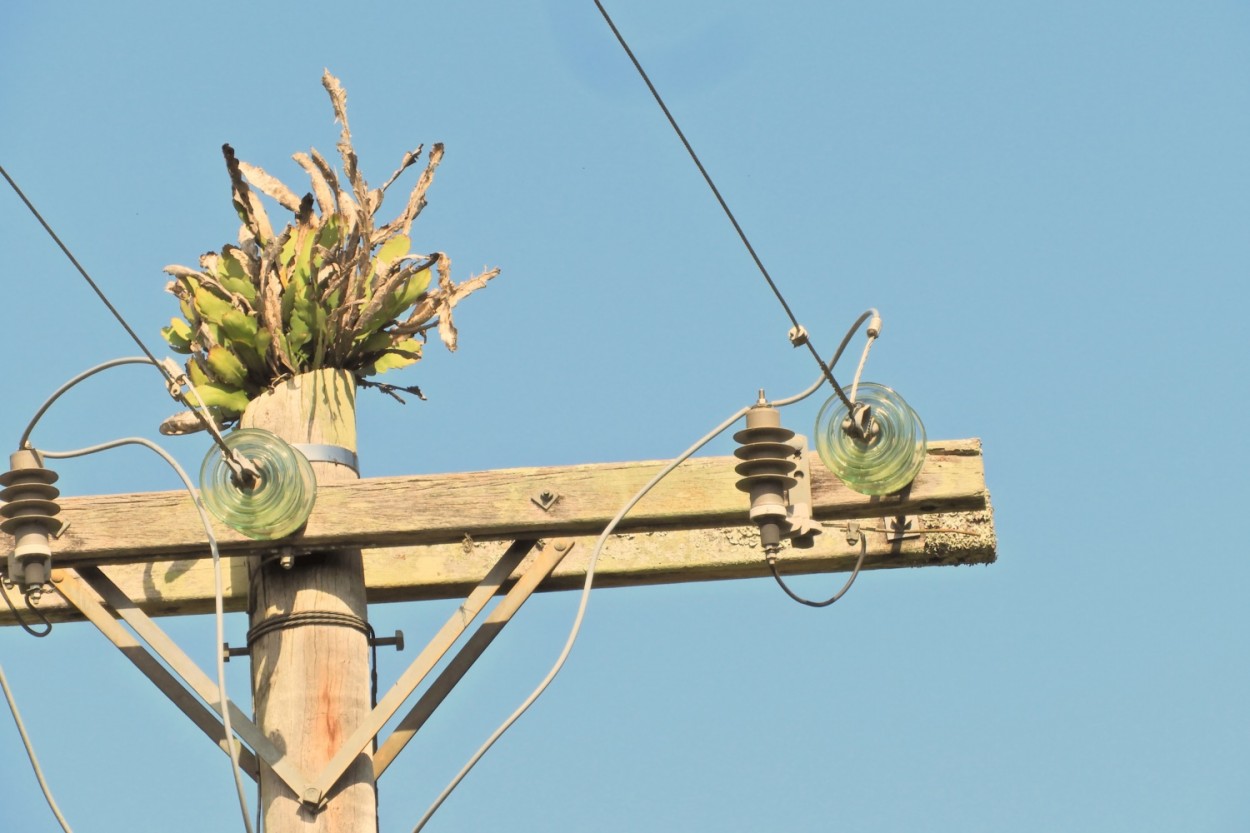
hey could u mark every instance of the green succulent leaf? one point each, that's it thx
(228, 266)
(211, 307)
(196, 372)
(330, 233)
(178, 334)
(393, 249)
(401, 355)
(231, 400)
(226, 366)
(239, 327)
(242, 287)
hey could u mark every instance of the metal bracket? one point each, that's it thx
(321, 453)
(376, 642)
(545, 499)
(901, 528)
(803, 529)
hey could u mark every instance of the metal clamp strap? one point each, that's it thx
(328, 454)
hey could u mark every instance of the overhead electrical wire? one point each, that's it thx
(798, 334)
(239, 467)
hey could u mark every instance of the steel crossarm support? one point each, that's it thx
(502, 613)
(191, 674)
(315, 793)
(76, 592)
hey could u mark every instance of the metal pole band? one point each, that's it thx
(328, 454)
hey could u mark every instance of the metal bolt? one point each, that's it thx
(397, 640)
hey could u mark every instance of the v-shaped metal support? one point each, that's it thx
(101, 601)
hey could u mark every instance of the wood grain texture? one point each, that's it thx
(495, 505)
(442, 571)
(310, 683)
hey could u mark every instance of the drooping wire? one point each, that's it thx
(594, 560)
(825, 370)
(30, 752)
(222, 707)
(47, 626)
(863, 553)
(86, 374)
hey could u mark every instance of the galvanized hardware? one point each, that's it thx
(901, 528)
(227, 652)
(545, 499)
(383, 641)
(337, 454)
(378, 641)
(803, 530)
(852, 532)
(29, 514)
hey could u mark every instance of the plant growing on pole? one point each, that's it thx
(333, 288)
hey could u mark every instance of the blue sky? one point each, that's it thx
(1049, 203)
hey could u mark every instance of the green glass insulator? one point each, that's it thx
(280, 501)
(886, 462)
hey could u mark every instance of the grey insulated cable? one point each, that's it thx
(30, 753)
(222, 707)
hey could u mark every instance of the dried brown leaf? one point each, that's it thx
(184, 272)
(321, 188)
(255, 217)
(338, 100)
(270, 185)
(410, 157)
(346, 203)
(447, 302)
(416, 200)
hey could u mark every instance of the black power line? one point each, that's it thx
(798, 334)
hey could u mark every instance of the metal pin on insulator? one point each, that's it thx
(29, 515)
(767, 470)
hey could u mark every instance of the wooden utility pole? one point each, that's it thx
(310, 675)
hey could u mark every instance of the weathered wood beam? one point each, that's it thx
(441, 530)
(446, 571)
(494, 505)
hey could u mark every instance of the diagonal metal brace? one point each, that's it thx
(503, 612)
(315, 793)
(195, 679)
(77, 593)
